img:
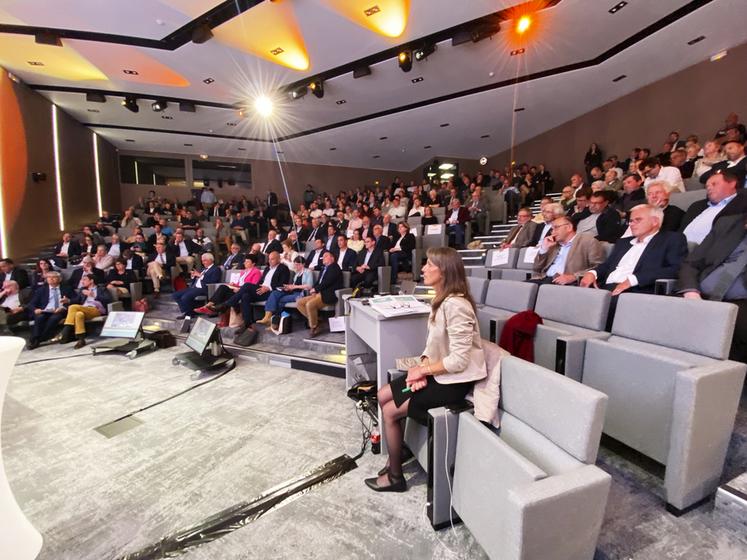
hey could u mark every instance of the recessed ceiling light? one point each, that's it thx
(160, 22)
(210, 130)
(427, 147)
(189, 144)
(416, 80)
(277, 51)
(692, 42)
(617, 7)
(485, 136)
(203, 156)
(384, 138)
(332, 149)
(491, 74)
(444, 125)
(519, 109)
(131, 72)
(167, 117)
(35, 63)
(341, 102)
(208, 81)
(129, 140)
(376, 157)
(620, 77)
(371, 11)
(93, 111)
(518, 51)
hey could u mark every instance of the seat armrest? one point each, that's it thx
(665, 286)
(569, 354)
(385, 279)
(340, 305)
(583, 491)
(212, 289)
(136, 291)
(393, 374)
(706, 399)
(115, 306)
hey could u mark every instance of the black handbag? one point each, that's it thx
(247, 338)
(282, 324)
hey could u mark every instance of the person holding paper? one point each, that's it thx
(564, 254)
(451, 362)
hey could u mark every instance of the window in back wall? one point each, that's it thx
(219, 174)
(144, 170)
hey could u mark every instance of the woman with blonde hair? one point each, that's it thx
(452, 361)
(289, 254)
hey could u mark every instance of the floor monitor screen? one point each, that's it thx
(200, 335)
(123, 324)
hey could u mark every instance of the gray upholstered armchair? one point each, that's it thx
(673, 393)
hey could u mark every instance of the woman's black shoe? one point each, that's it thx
(396, 484)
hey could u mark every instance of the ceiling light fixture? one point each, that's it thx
(617, 7)
(519, 109)
(341, 102)
(130, 103)
(129, 140)
(384, 138)
(34, 63)
(523, 24)
(317, 88)
(201, 34)
(695, 41)
(189, 144)
(361, 72)
(444, 125)
(277, 51)
(719, 55)
(620, 77)
(518, 51)
(299, 92)
(332, 149)
(372, 10)
(424, 52)
(263, 106)
(485, 136)
(93, 97)
(417, 80)
(93, 110)
(376, 157)
(203, 156)
(167, 117)
(159, 105)
(208, 81)
(447, 166)
(405, 60)
(130, 72)
(427, 147)
(46, 38)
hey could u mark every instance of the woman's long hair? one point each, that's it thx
(454, 279)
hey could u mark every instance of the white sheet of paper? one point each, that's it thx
(433, 229)
(530, 254)
(337, 324)
(499, 257)
(233, 277)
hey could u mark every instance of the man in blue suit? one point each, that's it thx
(48, 307)
(637, 262)
(210, 274)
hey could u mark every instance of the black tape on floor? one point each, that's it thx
(238, 516)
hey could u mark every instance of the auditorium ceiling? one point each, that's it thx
(461, 100)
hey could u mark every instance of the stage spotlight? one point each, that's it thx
(523, 25)
(405, 60)
(130, 103)
(201, 34)
(317, 88)
(159, 105)
(298, 93)
(263, 106)
(424, 52)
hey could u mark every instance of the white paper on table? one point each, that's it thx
(433, 229)
(499, 257)
(233, 277)
(530, 253)
(337, 324)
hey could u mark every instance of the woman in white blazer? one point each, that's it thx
(452, 361)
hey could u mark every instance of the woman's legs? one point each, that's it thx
(392, 414)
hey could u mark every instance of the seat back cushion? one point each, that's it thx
(511, 296)
(698, 326)
(582, 307)
(640, 386)
(485, 471)
(564, 411)
(477, 287)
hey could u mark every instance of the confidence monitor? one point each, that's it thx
(122, 333)
(201, 335)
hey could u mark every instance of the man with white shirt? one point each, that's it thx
(184, 249)
(637, 262)
(724, 198)
(210, 274)
(346, 257)
(116, 247)
(652, 169)
(272, 244)
(11, 310)
(397, 211)
(314, 260)
(159, 266)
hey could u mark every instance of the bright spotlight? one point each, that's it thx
(263, 106)
(523, 25)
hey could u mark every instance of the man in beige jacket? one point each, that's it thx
(564, 254)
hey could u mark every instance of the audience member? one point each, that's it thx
(67, 248)
(160, 262)
(724, 198)
(299, 286)
(400, 255)
(9, 271)
(234, 258)
(657, 195)
(652, 169)
(119, 278)
(603, 222)
(210, 274)
(48, 308)
(346, 257)
(11, 309)
(564, 254)
(249, 275)
(89, 302)
(321, 294)
(368, 262)
(735, 162)
(549, 213)
(522, 233)
(456, 220)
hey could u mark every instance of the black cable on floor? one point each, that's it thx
(55, 358)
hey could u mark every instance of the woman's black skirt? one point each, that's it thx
(433, 395)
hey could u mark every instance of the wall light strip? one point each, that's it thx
(98, 172)
(58, 175)
(137, 174)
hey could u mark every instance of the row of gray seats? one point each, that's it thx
(673, 392)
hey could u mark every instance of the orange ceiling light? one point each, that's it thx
(131, 64)
(21, 54)
(268, 30)
(385, 17)
(523, 24)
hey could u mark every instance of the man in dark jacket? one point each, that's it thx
(400, 256)
(370, 258)
(48, 308)
(89, 302)
(210, 274)
(323, 293)
(9, 271)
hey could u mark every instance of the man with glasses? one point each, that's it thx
(652, 169)
(564, 254)
(604, 222)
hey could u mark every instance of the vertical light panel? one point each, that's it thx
(98, 173)
(137, 174)
(3, 237)
(58, 175)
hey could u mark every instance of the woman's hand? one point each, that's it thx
(414, 375)
(418, 385)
